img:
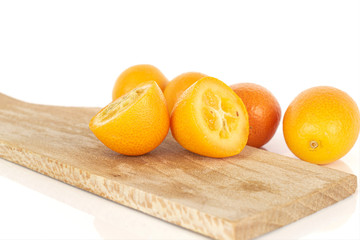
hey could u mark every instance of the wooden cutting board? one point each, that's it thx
(240, 197)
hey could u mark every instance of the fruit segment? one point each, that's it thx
(119, 105)
(219, 114)
(210, 119)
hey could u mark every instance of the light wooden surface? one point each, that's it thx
(234, 198)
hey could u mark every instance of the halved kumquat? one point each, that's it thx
(135, 123)
(210, 119)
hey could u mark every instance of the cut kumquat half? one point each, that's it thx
(135, 123)
(210, 119)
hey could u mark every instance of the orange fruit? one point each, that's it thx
(178, 85)
(263, 109)
(135, 75)
(321, 124)
(210, 119)
(135, 123)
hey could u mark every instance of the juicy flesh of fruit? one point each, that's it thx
(219, 114)
(119, 105)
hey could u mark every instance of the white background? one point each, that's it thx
(71, 52)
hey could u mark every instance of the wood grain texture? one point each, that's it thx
(240, 197)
